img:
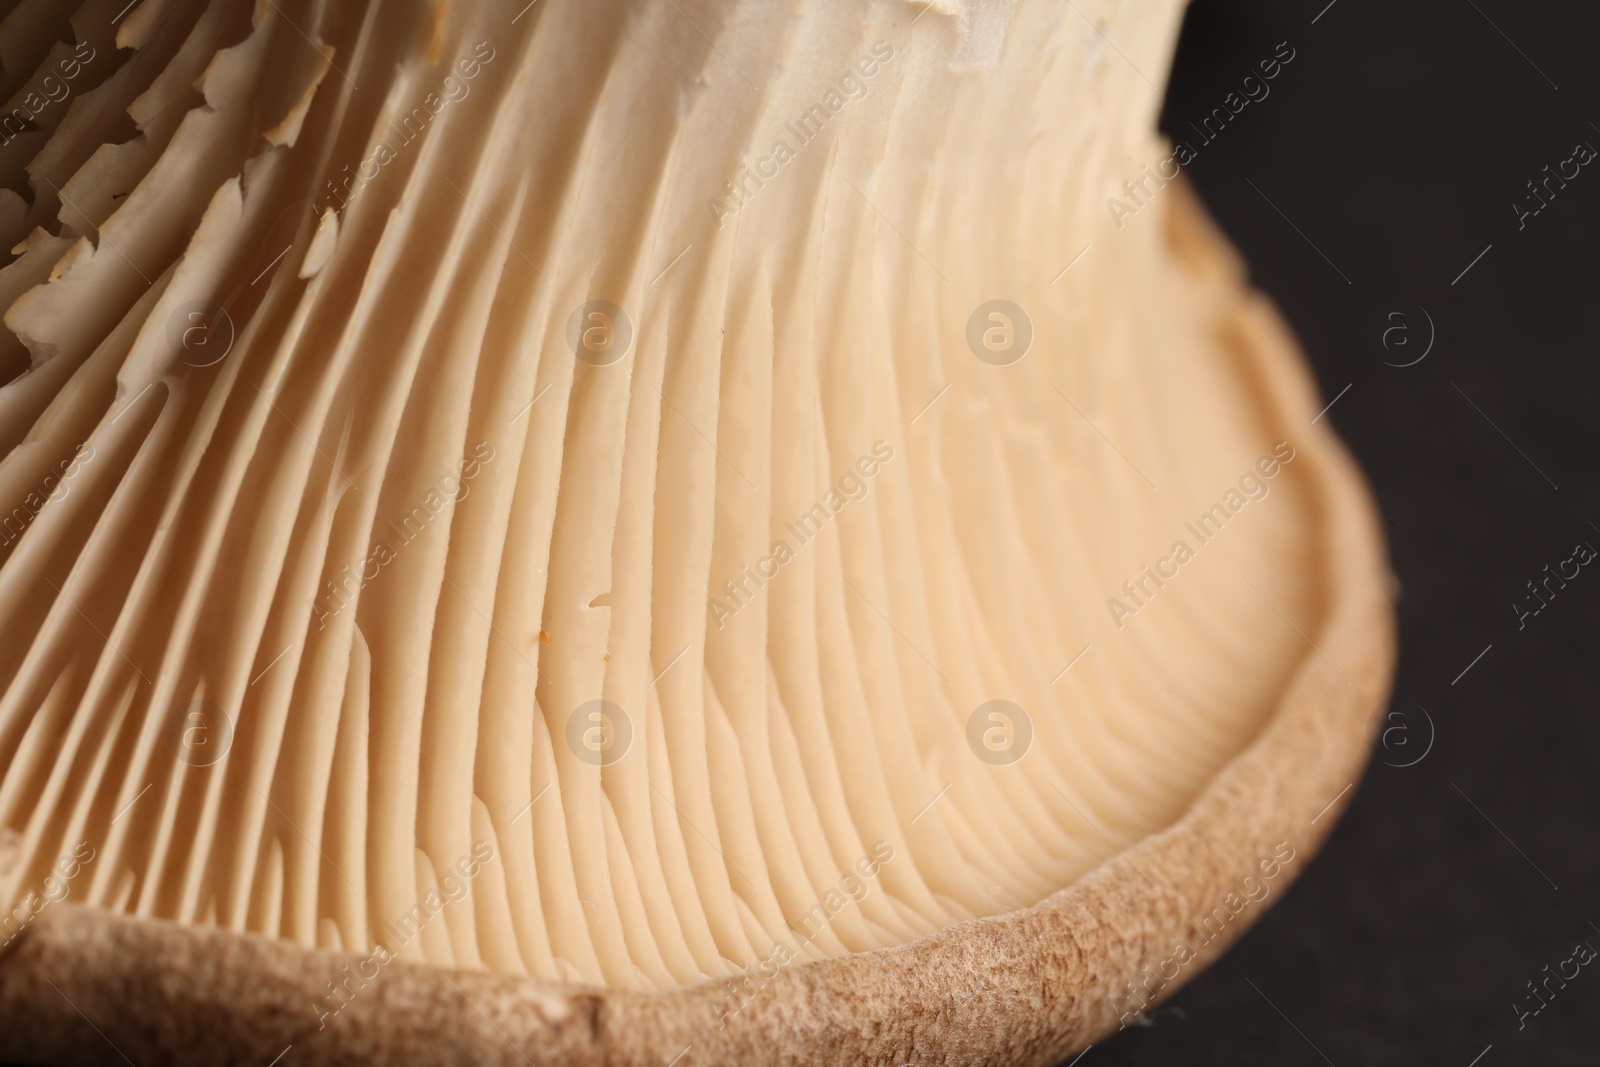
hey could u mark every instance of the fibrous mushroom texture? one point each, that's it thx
(603, 490)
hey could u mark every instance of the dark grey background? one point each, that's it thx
(1396, 142)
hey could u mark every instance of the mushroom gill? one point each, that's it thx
(602, 490)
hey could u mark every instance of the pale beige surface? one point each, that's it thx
(535, 532)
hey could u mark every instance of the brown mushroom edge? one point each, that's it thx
(81, 985)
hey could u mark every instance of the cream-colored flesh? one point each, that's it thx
(799, 346)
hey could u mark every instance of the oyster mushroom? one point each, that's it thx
(641, 533)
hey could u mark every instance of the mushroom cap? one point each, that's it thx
(437, 430)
